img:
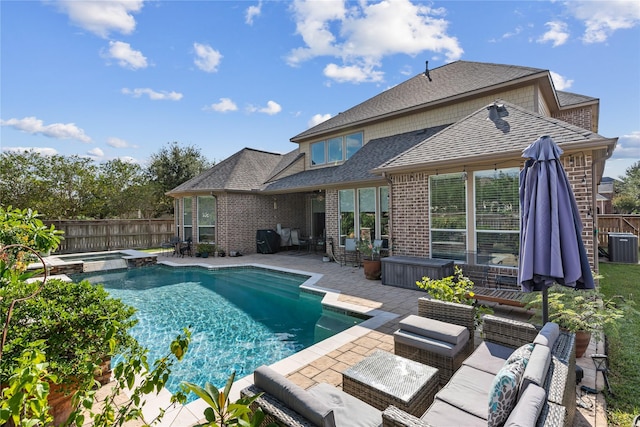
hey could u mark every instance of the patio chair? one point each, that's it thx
(350, 251)
(170, 245)
(298, 241)
(187, 249)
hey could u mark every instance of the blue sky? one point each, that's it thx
(110, 79)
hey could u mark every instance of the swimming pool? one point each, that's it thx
(240, 317)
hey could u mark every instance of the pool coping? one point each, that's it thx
(193, 412)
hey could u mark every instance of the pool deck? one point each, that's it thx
(325, 361)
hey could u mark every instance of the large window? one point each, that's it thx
(497, 223)
(372, 208)
(448, 215)
(347, 215)
(384, 213)
(367, 213)
(493, 236)
(206, 219)
(187, 219)
(336, 149)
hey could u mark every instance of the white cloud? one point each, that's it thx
(225, 104)
(36, 126)
(271, 109)
(102, 17)
(45, 151)
(207, 58)
(560, 82)
(557, 33)
(128, 159)
(353, 73)
(628, 146)
(119, 143)
(317, 119)
(126, 57)
(362, 34)
(252, 12)
(95, 153)
(602, 19)
(152, 94)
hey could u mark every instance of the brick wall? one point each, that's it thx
(410, 214)
(240, 215)
(582, 117)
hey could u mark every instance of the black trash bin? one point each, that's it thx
(267, 241)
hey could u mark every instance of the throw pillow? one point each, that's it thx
(523, 352)
(503, 393)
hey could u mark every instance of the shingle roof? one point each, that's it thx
(358, 167)
(454, 79)
(476, 138)
(567, 99)
(246, 170)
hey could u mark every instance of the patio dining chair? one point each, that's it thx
(350, 251)
(298, 241)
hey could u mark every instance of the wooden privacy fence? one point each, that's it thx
(617, 224)
(111, 234)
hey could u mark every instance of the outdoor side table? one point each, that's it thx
(382, 379)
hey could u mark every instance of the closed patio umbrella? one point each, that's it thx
(551, 246)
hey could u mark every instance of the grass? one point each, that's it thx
(623, 344)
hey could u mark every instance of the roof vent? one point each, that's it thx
(426, 70)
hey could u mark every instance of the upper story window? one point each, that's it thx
(336, 149)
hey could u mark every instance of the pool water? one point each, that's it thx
(240, 317)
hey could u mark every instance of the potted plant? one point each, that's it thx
(206, 249)
(80, 327)
(583, 312)
(370, 259)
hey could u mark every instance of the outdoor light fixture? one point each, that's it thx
(601, 363)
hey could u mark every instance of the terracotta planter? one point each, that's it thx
(60, 396)
(582, 342)
(372, 269)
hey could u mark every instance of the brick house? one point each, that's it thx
(430, 166)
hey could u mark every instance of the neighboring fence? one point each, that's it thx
(617, 224)
(110, 234)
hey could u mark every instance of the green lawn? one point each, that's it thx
(623, 344)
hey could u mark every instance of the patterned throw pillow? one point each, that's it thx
(504, 392)
(523, 352)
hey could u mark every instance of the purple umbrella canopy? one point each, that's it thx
(551, 246)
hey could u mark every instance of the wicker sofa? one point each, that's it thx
(548, 385)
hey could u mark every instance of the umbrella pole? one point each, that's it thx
(545, 306)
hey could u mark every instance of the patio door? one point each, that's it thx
(318, 216)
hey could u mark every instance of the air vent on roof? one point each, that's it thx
(426, 71)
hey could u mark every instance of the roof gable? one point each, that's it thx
(246, 170)
(451, 80)
(477, 138)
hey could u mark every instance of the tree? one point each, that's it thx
(172, 166)
(627, 192)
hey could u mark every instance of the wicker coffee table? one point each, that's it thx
(382, 379)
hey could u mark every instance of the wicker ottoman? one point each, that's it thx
(382, 379)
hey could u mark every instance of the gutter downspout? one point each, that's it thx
(390, 204)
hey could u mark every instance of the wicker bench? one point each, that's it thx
(447, 312)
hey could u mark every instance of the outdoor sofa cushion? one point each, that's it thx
(504, 391)
(435, 329)
(347, 410)
(537, 368)
(293, 396)
(468, 390)
(443, 414)
(435, 346)
(488, 357)
(548, 334)
(528, 408)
